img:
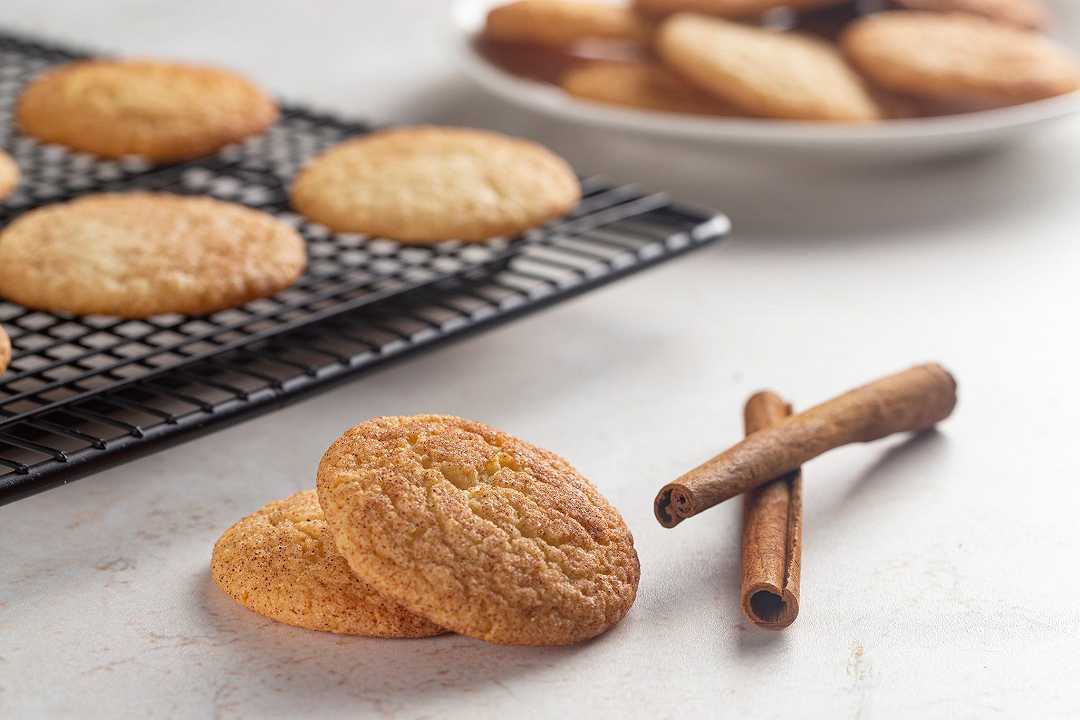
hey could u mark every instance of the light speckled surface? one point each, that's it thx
(937, 576)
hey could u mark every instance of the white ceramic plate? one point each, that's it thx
(918, 138)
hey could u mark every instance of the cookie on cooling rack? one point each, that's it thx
(1029, 14)
(564, 22)
(5, 350)
(647, 86)
(9, 175)
(726, 8)
(428, 184)
(140, 254)
(281, 562)
(766, 73)
(959, 57)
(165, 112)
(478, 531)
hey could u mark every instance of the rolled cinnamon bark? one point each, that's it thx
(772, 532)
(909, 401)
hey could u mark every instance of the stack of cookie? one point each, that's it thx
(810, 60)
(427, 524)
(138, 254)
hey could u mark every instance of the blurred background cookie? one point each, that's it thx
(959, 57)
(5, 350)
(164, 112)
(9, 175)
(1030, 14)
(564, 22)
(647, 86)
(281, 562)
(763, 72)
(428, 184)
(726, 8)
(140, 254)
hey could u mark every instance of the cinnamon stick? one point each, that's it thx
(910, 401)
(772, 532)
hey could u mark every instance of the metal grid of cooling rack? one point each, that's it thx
(84, 392)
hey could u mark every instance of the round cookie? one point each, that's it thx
(281, 562)
(478, 531)
(726, 8)
(9, 175)
(1029, 14)
(646, 86)
(140, 254)
(164, 112)
(5, 350)
(763, 72)
(564, 22)
(958, 57)
(429, 184)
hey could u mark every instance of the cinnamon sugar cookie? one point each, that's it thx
(1029, 14)
(564, 22)
(647, 86)
(959, 58)
(9, 175)
(477, 531)
(763, 72)
(281, 562)
(162, 111)
(726, 8)
(139, 254)
(5, 350)
(428, 184)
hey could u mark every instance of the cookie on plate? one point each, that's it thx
(281, 562)
(959, 57)
(164, 112)
(647, 86)
(564, 22)
(428, 184)
(764, 72)
(726, 8)
(1029, 14)
(477, 531)
(135, 255)
(9, 175)
(5, 350)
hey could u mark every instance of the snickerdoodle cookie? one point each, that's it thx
(647, 86)
(281, 562)
(477, 531)
(726, 8)
(564, 22)
(5, 350)
(767, 73)
(954, 56)
(428, 184)
(1030, 14)
(162, 111)
(141, 254)
(9, 175)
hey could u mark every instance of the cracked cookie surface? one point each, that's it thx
(478, 531)
(428, 184)
(281, 562)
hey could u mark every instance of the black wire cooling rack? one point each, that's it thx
(83, 392)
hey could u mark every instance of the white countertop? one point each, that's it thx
(939, 574)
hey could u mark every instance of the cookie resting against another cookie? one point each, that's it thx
(765, 73)
(281, 562)
(478, 531)
(958, 57)
(164, 112)
(135, 255)
(428, 184)
(564, 22)
(9, 175)
(1028, 14)
(646, 86)
(727, 8)
(5, 350)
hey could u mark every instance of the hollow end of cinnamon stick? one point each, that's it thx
(674, 503)
(770, 607)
